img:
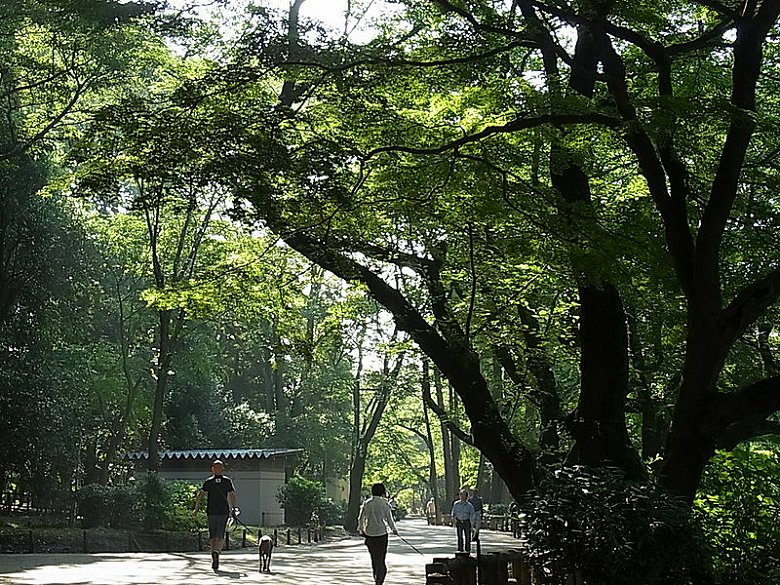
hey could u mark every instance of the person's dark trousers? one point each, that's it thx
(377, 548)
(463, 529)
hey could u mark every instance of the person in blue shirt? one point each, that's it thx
(463, 516)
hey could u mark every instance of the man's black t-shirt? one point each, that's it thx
(217, 487)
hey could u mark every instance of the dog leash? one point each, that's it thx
(234, 518)
(409, 544)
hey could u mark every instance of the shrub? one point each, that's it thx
(497, 509)
(114, 506)
(303, 501)
(178, 508)
(611, 530)
(739, 503)
(152, 502)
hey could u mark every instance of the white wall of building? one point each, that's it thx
(256, 492)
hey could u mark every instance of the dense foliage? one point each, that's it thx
(739, 505)
(489, 240)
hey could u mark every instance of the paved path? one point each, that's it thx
(343, 562)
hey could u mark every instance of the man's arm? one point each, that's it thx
(198, 497)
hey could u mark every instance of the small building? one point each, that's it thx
(256, 473)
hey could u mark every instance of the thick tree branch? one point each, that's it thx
(456, 361)
(672, 209)
(748, 58)
(445, 419)
(745, 430)
(751, 302)
(519, 123)
(759, 399)
(397, 62)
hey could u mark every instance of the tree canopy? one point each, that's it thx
(568, 208)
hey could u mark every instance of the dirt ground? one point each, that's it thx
(340, 562)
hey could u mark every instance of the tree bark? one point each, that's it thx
(433, 475)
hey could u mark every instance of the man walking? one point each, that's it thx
(430, 511)
(220, 504)
(463, 516)
(476, 501)
(374, 519)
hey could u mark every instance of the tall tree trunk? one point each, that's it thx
(364, 431)
(694, 434)
(598, 424)
(433, 476)
(162, 369)
(450, 470)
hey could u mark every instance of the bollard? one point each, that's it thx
(494, 569)
(521, 571)
(299, 536)
(463, 570)
(288, 536)
(276, 537)
(243, 539)
(437, 572)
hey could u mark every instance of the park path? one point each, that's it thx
(342, 562)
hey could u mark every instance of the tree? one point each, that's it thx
(368, 407)
(695, 207)
(561, 122)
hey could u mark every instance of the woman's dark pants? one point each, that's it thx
(377, 548)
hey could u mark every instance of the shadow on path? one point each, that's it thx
(343, 562)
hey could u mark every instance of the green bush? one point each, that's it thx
(178, 508)
(155, 497)
(151, 503)
(497, 509)
(114, 506)
(304, 501)
(610, 530)
(739, 506)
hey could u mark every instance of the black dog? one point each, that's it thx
(266, 547)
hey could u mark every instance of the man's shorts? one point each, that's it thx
(217, 523)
